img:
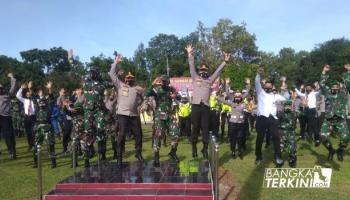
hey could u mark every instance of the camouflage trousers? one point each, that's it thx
(162, 126)
(339, 127)
(289, 143)
(43, 133)
(77, 132)
(18, 122)
(88, 136)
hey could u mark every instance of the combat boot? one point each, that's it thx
(331, 152)
(194, 150)
(156, 162)
(340, 153)
(53, 163)
(205, 150)
(172, 153)
(139, 156)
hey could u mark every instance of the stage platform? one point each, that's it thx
(170, 181)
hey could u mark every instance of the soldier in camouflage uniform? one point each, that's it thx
(43, 131)
(75, 109)
(93, 116)
(335, 116)
(17, 117)
(165, 116)
(287, 124)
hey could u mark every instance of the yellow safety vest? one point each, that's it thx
(213, 103)
(184, 110)
(225, 108)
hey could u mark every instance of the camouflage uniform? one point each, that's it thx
(78, 126)
(93, 91)
(17, 117)
(165, 119)
(335, 118)
(287, 124)
(43, 131)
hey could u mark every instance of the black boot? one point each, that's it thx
(138, 156)
(233, 154)
(340, 153)
(53, 163)
(279, 161)
(292, 161)
(194, 150)
(87, 163)
(205, 150)
(331, 152)
(172, 153)
(156, 159)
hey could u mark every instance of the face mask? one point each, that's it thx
(130, 82)
(287, 110)
(237, 100)
(334, 92)
(268, 90)
(204, 75)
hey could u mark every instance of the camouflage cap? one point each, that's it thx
(288, 103)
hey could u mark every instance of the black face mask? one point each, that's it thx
(287, 110)
(268, 90)
(334, 92)
(204, 75)
(237, 100)
(130, 82)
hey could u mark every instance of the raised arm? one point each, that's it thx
(189, 50)
(258, 87)
(114, 70)
(19, 94)
(324, 77)
(13, 85)
(300, 94)
(215, 75)
(247, 87)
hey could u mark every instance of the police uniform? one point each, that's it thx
(184, 113)
(225, 110)
(214, 116)
(200, 106)
(129, 99)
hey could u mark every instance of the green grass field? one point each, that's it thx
(18, 180)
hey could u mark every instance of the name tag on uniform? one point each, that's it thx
(125, 92)
(199, 82)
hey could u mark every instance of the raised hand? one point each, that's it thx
(260, 70)
(49, 85)
(226, 56)
(30, 84)
(189, 49)
(118, 58)
(247, 81)
(24, 86)
(326, 68)
(347, 67)
(70, 54)
(10, 75)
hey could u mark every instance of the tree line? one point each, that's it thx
(164, 50)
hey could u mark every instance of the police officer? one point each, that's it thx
(184, 113)
(225, 110)
(129, 99)
(214, 114)
(6, 126)
(202, 83)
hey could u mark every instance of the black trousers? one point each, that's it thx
(264, 125)
(303, 124)
(29, 122)
(7, 133)
(67, 131)
(132, 124)
(313, 123)
(223, 123)
(320, 122)
(185, 126)
(214, 119)
(200, 122)
(237, 136)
